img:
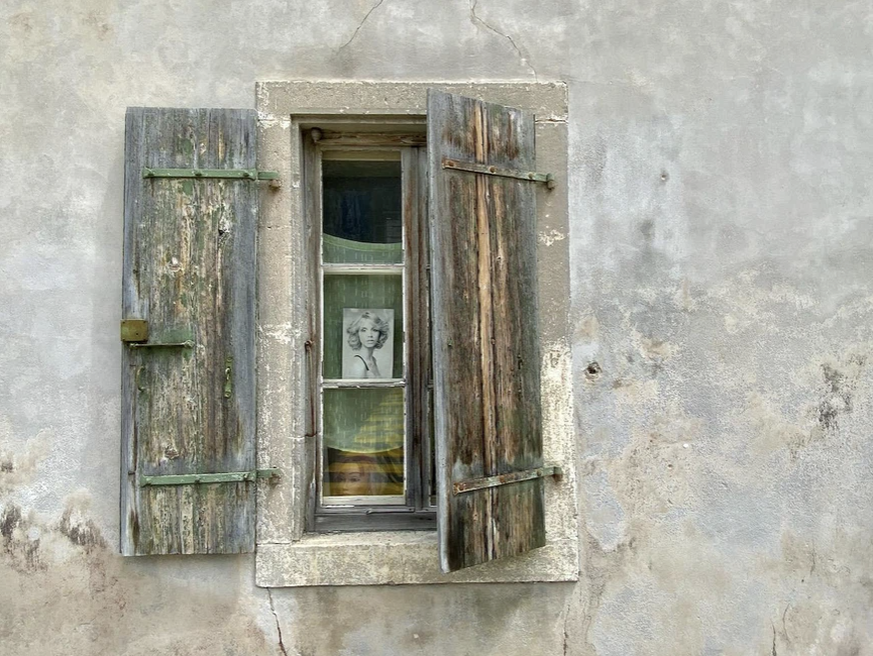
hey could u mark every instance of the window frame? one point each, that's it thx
(417, 512)
(287, 553)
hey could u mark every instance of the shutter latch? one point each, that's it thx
(135, 333)
(134, 330)
(505, 479)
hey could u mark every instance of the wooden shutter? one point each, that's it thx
(188, 407)
(486, 356)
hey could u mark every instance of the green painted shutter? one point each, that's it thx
(486, 356)
(189, 271)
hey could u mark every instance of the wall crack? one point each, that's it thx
(278, 625)
(360, 25)
(474, 18)
(564, 625)
(784, 628)
(773, 648)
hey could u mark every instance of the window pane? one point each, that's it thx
(364, 442)
(362, 212)
(357, 309)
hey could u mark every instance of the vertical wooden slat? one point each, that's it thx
(189, 270)
(486, 355)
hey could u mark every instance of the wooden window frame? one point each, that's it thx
(417, 512)
(287, 553)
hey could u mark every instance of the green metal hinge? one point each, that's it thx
(222, 174)
(202, 479)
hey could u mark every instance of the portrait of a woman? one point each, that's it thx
(367, 333)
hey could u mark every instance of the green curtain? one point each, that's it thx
(345, 251)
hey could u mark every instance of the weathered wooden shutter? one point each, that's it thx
(188, 386)
(486, 356)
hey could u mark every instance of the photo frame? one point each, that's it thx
(368, 343)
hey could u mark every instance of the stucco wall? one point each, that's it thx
(720, 210)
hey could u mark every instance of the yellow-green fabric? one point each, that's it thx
(363, 420)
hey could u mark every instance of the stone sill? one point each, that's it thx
(398, 558)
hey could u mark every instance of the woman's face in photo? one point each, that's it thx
(368, 334)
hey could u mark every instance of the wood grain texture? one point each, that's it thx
(189, 270)
(486, 354)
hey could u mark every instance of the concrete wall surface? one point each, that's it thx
(721, 158)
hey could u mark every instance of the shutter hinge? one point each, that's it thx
(221, 174)
(218, 477)
(505, 479)
(486, 169)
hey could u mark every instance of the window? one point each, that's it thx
(351, 466)
(371, 355)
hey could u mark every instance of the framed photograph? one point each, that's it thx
(368, 343)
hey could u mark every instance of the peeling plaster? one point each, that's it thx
(66, 591)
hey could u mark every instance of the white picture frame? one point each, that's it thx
(368, 355)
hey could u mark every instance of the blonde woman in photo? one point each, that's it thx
(367, 333)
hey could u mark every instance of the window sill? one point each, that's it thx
(398, 558)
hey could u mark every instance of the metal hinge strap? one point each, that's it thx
(506, 479)
(201, 479)
(225, 174)
(473, 167)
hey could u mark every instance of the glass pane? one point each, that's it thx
(362, 212)
(363, 326)
(364, 442)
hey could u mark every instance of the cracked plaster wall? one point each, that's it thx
(720, 248)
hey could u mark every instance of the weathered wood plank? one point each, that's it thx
(486, 357)
(189, 270)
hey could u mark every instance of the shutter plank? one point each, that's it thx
(189, 271)
(486, 354)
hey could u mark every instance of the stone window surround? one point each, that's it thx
(286, 554)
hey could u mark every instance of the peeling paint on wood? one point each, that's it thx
(486, 356)
(189, 271)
